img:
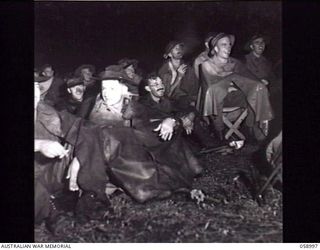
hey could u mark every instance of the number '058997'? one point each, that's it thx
(308, 245)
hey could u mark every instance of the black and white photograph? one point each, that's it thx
(158, 122)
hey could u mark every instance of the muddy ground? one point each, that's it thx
(229, 212)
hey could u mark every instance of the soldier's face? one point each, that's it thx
(130, 71)
(77, 92)
(156, 87)
(258, 46)
(112, 91)
(177, 52)
(86, 74)
(223, 48)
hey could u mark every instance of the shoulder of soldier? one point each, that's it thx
(246, 57)
(47, 109)
(206, 64)
(49, 117)
(237, 62)
(138, 108)
(132, 104)
(203, 56)
(234, 60)
(143, 100)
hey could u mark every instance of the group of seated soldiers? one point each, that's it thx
(117, 130)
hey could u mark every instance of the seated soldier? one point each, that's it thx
(52, 155)
(106, 109)
(161, 104)
(262, 68)
(222, 72)
(258, 65)
(61, 140)
(178, 77)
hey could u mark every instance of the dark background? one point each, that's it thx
(68, 34)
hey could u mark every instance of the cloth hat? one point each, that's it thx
(254, 37)
(208, 37)
(41, 78)
(116, 72)
(92, 68)
(217, 36)
(74, 81)
(170, 46)
(126, 62)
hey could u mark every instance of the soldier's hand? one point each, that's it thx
(189, 129)
(187, 124)
(50, 149)
(166, 128)
(182, 70)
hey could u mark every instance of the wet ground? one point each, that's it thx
(229, 212)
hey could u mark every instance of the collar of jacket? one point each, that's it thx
(254, 58)
(73, 101)
(100, 101)
(149, 102)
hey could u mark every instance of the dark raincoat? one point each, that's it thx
(138, 161)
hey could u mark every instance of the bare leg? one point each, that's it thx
(73, 174)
